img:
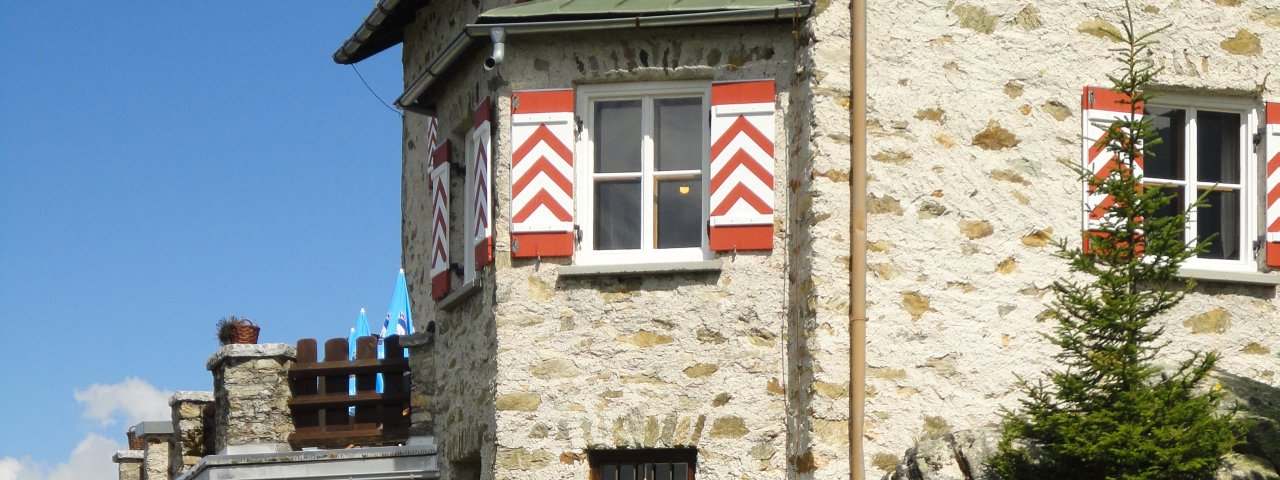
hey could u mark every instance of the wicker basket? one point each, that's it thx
(135, 443)
(246, 333)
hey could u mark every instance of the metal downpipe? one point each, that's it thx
(857, 235)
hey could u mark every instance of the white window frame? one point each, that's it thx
(1250, 186)
(584, 194)
(468, 212)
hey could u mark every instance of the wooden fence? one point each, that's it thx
(327, 415)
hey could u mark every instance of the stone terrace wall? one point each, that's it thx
(650, 361)
(974, 122)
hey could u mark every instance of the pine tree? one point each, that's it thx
(1109, 412)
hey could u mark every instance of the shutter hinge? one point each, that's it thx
(577, 234)
(1091, 97)
(577, 120)
(1258, 136)
(515, 102)
(1258, 243)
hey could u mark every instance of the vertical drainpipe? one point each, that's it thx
(857, 234)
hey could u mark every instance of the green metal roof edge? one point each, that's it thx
(552, 9)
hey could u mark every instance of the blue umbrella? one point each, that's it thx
(351, 389)
(360, 330)
(400, 313)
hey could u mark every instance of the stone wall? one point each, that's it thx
(189, 411)
(251, 397)
(128, 464)
(973, 126)
(664, 360)
(818, 250)
(462, 353)
(155, 458)
(534, 368)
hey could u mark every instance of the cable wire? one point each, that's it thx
(375, 94)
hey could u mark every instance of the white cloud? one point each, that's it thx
(115, 407)
(132, 400)
(90, 460)
(9, 468)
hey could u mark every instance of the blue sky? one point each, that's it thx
(163, 164)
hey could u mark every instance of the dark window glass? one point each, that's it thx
(643, 464)
(617, 215)
(680, 471)
(678, 211)
(617, 136)
(678, 133)
(662, 471)
(1221, 216)
(1217, 147)
(1176, 201)
(1165, 160)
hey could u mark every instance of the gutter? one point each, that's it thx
(444, 60)
(858, 236)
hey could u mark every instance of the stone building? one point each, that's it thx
(629, 239)
(628, 223)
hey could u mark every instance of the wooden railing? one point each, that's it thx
(327, 415)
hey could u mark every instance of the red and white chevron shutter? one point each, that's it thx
(481, 185)
(440, 221)
(542, 173)
(1100, 107)
(433, 134)
(742, 134)
(1272, 142)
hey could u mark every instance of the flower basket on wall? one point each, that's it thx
(246, 333)
(135, 443)
(233, 330)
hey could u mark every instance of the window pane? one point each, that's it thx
(679, 213)
(680, 471)
(662, 471)
(1166, 160)
(1176, 201)
(678, 134)
(608, 472)
(617, 215)
(617, 136)
(627, 472)
(1221, 216)
(1218, 147)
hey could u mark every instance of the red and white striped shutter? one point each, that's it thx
(1272, 145)
(433, 136)
(542, 173)
(481, 185)
(742, 134)
(440, 221)
(1099, 108)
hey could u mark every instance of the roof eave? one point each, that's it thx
(443, 61)
(383, 28)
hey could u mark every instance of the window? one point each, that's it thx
(641, 176)
(1208, 148)
(650, 464)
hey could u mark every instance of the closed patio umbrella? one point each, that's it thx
(399, 320)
